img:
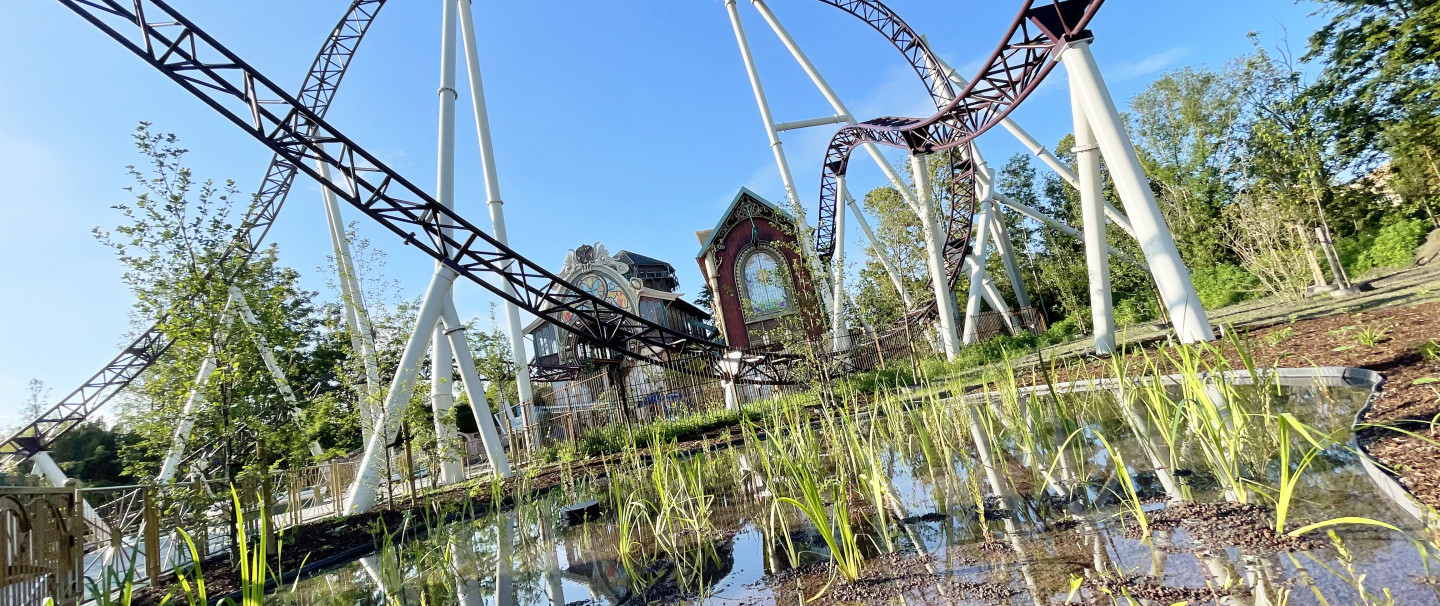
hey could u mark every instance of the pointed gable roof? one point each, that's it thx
(744, 192)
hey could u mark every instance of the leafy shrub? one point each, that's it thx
(1133, 310)
(1224, 284)
(1393, 246)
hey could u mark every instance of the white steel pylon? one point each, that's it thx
(1172, 278)
(518, 353)
(357, 317)
(1092, 216)
(842, 116)
(235, 302)
(817, 274)
(437, 319)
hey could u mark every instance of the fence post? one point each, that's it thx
(74, 576)
(335, 495)
(878, 351)
(151, 516)
(267, 507)
(296, 507)
(197, 512)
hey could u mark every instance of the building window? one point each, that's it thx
(763, 284)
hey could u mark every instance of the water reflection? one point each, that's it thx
(985, 518)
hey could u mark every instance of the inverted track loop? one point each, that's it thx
(316, 92)
(1029, 51)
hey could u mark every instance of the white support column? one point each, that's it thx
(442, 399)
(1171, 276)
(935, 247)
(817, 273)
(475, 391)
(842, 112)
(840, 334)
(367, 481)
(518, 353)
(1007, 255)
(193, 402)
(45, 466)
(879, 252)
(977, 270)
(267, 356)
(1039, 150)
(1038, 216)
(357, 319)
(1097, 258)
(989, 293)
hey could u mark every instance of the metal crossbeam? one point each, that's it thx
(316, 93)
(197, 62)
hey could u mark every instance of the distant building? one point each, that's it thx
(636, 283)
(751, 261)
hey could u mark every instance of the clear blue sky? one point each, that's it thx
(625, 122)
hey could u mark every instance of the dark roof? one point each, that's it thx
(652, 272)
(739, 195)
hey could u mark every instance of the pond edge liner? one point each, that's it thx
(417, 532)
(1384, 480)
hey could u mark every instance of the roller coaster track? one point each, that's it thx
(316, 93)
(1029, 51)
(299, 135)
(193, 59)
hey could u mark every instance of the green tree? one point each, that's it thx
(171, 241)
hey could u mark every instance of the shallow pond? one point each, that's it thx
(1066, 530)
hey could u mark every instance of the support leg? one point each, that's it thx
(879, 252)
(442, 399)
(1007, 254)
(357, 319)
(817, 273)
(977, 257)
(1097, 258)
(475, 390)
(518, 353)
(839, 330)
(367, 481)
(1171, 276)
(935, 247)
(193, 402)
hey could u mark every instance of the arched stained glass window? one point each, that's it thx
(601, 287)
(763, 277)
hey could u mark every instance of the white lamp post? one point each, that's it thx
(729, 368)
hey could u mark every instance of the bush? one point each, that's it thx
(1133, 310)
(1393, 246)
(1224, 284)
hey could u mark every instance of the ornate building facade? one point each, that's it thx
(636, 283)
(759, 282)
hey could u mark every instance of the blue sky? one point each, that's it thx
(625, 122)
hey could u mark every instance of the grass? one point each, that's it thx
(615, 438)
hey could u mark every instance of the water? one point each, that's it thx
(1028, 554)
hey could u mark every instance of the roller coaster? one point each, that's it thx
(294, 128)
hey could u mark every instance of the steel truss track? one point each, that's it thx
(316, 93)
(1027, 54)
(182, 51)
